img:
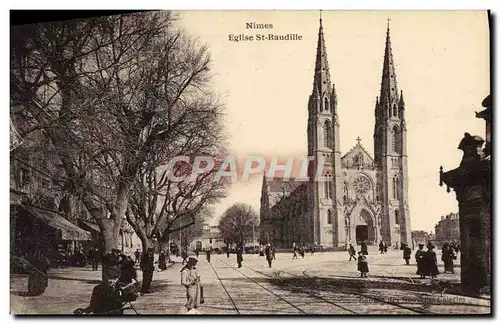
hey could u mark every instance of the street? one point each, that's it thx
(323, 283)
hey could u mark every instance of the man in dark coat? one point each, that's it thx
(352, 252)
(184, 256)
(228, 251)
(209, 253)
(162, 261)
(364, 248)
(147, 267)
(420, 259)
(381, 247)
(95, 257)
(239, 256)
(407, 254)
(137, 255)
(269, 255)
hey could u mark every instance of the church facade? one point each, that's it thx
(359, 197)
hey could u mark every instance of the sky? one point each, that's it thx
(442, 66)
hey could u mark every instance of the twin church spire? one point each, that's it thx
(322, 85)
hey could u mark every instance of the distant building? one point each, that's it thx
(447, 230)
(420, 237)
(210, 237)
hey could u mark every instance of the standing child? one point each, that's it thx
(191, 281)
(362, 264)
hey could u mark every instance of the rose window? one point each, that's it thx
(361, 185)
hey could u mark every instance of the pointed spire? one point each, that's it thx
(401, 100)
(321, 69)
(389, 86)
(334, 96)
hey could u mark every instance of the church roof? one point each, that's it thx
(278, 187)
(352, 158)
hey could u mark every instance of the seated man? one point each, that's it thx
(105, 300)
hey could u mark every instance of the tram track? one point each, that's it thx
(380, 300)
(225, 289)
(281, 298)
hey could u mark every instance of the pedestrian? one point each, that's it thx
(239, 256)
(385, 247)
(273, 250)
(302, 252)
(184, 256)
(228, 251)
(209, 252)
(352, 252)
(447, 256)
(162, 261)
(261, 251)
(362, 264)
(147, 267)
(364, 248)
(191, 281)
(420, 259)
(407, 254)
(295, 253)
(269, 255)
(313, 249)
(137, 255)
(197, 253)
(431, 261)
(381, 247)
(96, 256)
(38, 279)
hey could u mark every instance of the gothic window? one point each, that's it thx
(396, 216)
(395, 111)
(395, 186)
(329, 217)
(327, 133)
(326, 103)
(328, 187)
(346, 192)
(395, 139)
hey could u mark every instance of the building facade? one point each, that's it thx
(350, 198)
(447, 230)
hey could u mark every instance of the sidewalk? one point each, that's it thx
(71, 288)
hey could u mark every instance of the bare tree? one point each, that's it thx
(237, 223)
(178, 80)
(86, 85)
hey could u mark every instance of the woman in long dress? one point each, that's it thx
(431, 261)
(420, 259)
(447, 256)
(362, 264)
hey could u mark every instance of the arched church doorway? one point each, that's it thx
(364, 228)
(361, 233)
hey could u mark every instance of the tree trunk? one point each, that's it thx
(110, 229)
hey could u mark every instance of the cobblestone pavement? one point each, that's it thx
(323, 283)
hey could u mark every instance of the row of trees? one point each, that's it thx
(114, 99)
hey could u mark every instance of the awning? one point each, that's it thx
(68, 231)
(89, 225)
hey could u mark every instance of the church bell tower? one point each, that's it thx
(391, 157)
(325, 183)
